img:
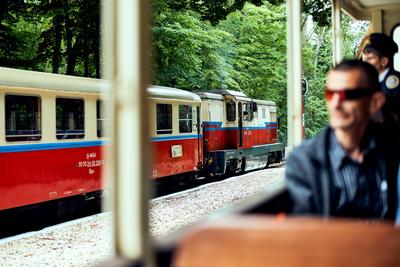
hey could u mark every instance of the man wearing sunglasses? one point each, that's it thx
(346, 170)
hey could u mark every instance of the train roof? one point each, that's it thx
(170, 92)
(51, 81)
(218, 95)
(228, 92)
(264, 102)
(237, 94)
(207, 95)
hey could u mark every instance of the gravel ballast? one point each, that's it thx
(88, 241)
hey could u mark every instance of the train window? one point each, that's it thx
(264, 115)
(23, 119)
(230, 111)
(70, 118)
(101, 119)
(273, 116)
(185, 119)
(247, 112)
(164, 118)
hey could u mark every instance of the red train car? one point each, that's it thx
(51, 138)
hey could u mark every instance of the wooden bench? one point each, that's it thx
(248, 240)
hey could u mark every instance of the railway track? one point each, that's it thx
(87, 241)
(169, 186)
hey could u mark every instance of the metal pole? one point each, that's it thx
(336, 32)
(125, 63)
(294, 61)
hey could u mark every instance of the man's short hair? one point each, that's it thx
(369, 73)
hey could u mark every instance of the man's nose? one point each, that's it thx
(336, 101)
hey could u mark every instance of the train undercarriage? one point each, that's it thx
(232, 161)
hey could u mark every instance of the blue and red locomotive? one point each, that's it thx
(211, 132)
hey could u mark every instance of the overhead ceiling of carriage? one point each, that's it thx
(370, 3)
(361, 9)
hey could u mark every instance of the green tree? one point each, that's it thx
(71, 37)
(190, 53)
(320, 11)
(59, 36)
(13, 40)
(259, 54)
(317, 59)
(213, 11)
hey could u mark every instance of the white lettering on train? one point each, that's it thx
(90, 162)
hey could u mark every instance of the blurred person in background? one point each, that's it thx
(379, 50)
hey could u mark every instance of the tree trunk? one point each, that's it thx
(71, 58)
(321, 39)
(56, 58)
(96, 47)
(85, 54)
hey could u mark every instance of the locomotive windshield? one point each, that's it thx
(230, 111)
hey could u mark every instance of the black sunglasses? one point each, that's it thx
(348, 94)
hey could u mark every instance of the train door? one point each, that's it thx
(230, 134)
(240, 124)
(199, 138)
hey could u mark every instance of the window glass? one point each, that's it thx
(230, 110)
(247, 112)
(164, 118)
(101, 119)
(273, 116)
(185, 119)
(23, 118)
(264, 115)
(254, 110)
(70, 118)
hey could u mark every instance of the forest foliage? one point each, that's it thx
(197, 45)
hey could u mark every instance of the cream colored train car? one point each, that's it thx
(175, 132)
(51, 137)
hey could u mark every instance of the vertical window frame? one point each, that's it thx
(101, 119)
(396, 38)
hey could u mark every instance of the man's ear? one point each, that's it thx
(385, 62)
(376, 103)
